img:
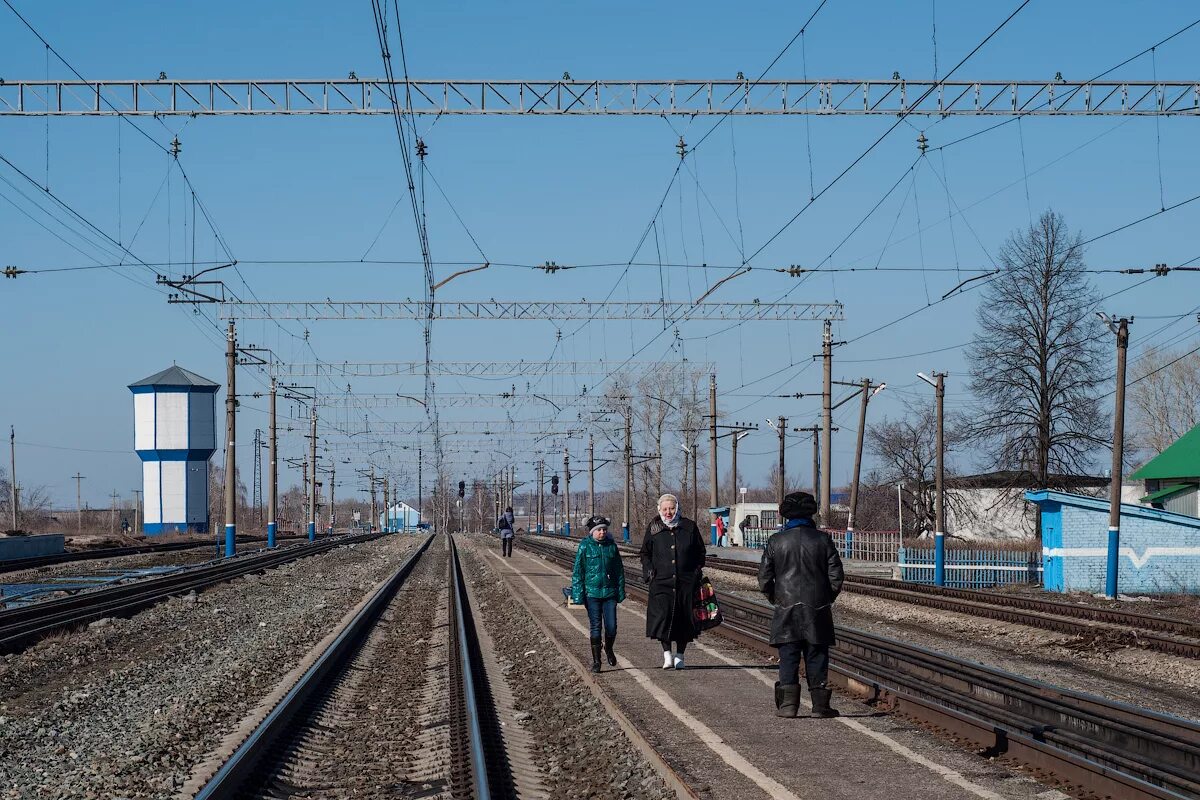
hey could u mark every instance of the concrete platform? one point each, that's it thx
(714, 722)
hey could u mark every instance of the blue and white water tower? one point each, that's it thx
(175, 435)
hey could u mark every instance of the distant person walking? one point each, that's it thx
(598, 581)
(672, 556)
(801, 575)
(505, 524)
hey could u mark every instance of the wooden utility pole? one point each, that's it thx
(273, 463)
(591, 475)
(714, 482)
(12, 473)
(78, 502)
(230, 441)
(1111, 586)
(312, 457)
(566, 491)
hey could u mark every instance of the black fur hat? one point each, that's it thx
(798, 505)
(596, 522)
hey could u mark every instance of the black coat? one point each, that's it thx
(801, 574)
(672, 560)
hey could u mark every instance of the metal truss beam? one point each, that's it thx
(689, 98)
(457, 400)
(538, 310)
(470, 369)
(478, 427)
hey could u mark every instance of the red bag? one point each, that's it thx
(706, 613)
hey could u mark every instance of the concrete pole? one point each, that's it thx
(1114, 502)
(540, 522)
(12, 473)
(782, 463)
(695, 486)
(312, 457)
(137, 511)
(231, 441)
(387, 505)
(714, 481)
(566, 492)
(939, 534)
(332, 504)
(591, 475)
(827, 422)
(273, 461)
(112, 514)
(374, 508)
(816, 443)
(78, 502)
(858, 450)
(628, 473)
(420, 485)
(733, 488)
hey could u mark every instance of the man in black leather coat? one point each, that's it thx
(801, 574)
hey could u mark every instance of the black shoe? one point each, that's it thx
(787, 700)
(595, 655)
(608, 649)
(820, 701)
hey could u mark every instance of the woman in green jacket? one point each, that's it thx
(598, 581)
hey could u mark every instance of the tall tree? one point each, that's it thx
(906, 450)
(1039, 358)
(1165, 391)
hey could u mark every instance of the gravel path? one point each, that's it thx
(582, 752)
(126, 708)
(1145, 678)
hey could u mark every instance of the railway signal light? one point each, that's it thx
(553, 484)
(462, 488)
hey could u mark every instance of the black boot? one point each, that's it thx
(595, 654)
(609, 638)
(820, 701)
(787, 700)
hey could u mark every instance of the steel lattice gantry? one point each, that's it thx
(458, 400)
(536, 310)
(601, 97)
(473, 369)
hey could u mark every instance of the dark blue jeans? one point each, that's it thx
(816, 663)
(599, 610)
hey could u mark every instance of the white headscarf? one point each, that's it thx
(670, 522)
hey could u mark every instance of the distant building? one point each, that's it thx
(1172, 479)
(992, 505)
(401, 516)
(174, 414)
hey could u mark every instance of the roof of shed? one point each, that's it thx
(1180, 460)
(175, 375)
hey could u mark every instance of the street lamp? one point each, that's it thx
(938, 382)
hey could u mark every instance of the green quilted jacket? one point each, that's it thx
(598, 572)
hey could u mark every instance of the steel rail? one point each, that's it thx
(242, 765)
(1106, 746)
(466, 682)
(33, 562)
(23, 625)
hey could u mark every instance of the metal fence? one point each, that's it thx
(876, 546)
(972, 569)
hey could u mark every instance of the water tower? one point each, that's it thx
(174, 413)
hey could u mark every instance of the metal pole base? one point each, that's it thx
(1114, 561)
(271, 529)
(230, 540)
(939, 559)
(312, 531)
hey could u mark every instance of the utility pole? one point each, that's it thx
(78, 502)
(738, 435)
(387, 504)
(867, 394)
(782, 462)
(137, 510)
(230, 441)
(540, 520)
(591, 475)
(695, 482)
(827, 421)
(566, 492)
(272, 459)
(112, 517)
(374, 508)
(420, 485)
(938, 382)
(312, 457)
(714, 482)
(256, 488)
(12, 473)
(1121, 329)
(332, 505)
(628, 471)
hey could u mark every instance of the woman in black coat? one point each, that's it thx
(672, 557)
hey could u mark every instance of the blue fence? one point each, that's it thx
(972, 569)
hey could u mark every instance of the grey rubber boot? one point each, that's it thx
(787, 700)
(820, 701)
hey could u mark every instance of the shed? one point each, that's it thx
(1172, 478)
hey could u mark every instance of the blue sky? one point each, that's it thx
(574, 191)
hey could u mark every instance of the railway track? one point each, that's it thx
(1104, 747)
(456, 745)
(21, 626)
(17, 564)
(1114, 626)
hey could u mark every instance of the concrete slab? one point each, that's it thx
(714, 722)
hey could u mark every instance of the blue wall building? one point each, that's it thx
(175, 435)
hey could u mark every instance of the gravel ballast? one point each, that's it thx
(126, 708)
(581, 750)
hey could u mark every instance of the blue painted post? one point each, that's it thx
(625, 532)
(271, 534)
(939, 559)
(567, 529)
(312, 531)
(849, 542)
(1114, 561)
(714, 534)
(230, 540)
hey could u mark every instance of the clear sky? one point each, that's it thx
(574, 191)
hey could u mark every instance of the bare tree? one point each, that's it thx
(1165, 391)
(1038, 357)
(906, 449)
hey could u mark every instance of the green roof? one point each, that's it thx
(1163, 494)
(1180, 460)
